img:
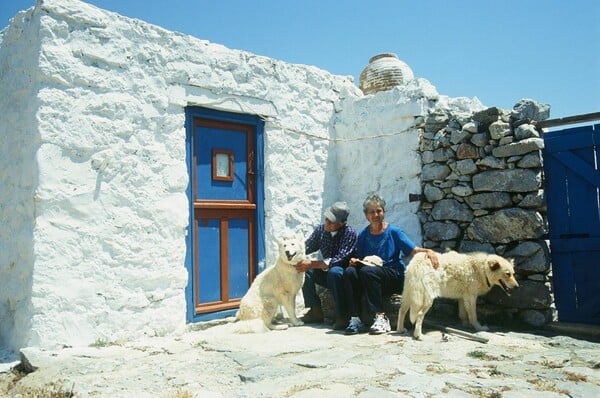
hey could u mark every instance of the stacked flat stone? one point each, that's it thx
(482, 191)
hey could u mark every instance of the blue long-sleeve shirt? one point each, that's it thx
(392, 245)
(338, 248)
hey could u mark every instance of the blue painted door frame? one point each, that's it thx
(572, 175)
(225, 236)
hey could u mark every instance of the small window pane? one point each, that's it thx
(222, 165)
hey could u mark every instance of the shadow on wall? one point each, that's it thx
(19, 178)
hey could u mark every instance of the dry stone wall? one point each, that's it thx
(483, 191)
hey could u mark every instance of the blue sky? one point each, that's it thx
(498, 51)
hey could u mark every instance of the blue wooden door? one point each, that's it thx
(225, 196)
(572, 173)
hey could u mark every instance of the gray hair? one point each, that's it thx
(373, 198)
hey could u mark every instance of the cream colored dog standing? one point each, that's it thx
(459, 276)
(275, 286)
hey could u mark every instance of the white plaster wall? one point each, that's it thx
(109, 177)
(377, 139)
(19, 140)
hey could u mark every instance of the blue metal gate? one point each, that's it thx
(572, 174)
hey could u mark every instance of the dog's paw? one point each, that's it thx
(281, 326)
(402, 330)
(481, 328)
(297, 323)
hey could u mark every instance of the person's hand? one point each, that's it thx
(353, 261)
(433, 258)
(303, 265)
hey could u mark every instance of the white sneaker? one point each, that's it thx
(381, 325)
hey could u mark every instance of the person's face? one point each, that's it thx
(375, 213)
(332, 226)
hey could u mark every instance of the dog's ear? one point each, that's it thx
(494, 264)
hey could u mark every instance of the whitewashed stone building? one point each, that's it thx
(146, 174)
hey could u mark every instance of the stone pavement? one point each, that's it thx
(313, 361)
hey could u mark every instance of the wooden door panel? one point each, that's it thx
(209, 275)
(240, 255)
(223, 141)
(224, 212)
(224, 245)
(572, 173)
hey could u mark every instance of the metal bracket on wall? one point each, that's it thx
(414, 197)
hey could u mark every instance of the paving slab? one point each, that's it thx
(311, 361)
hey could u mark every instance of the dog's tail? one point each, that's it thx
(249, 326)
(416, 298)
(419, 289)
(412, 294)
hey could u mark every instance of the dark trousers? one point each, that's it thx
(375, 283)
(332, 280)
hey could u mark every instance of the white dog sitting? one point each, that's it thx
(459, 276)
(275, 286)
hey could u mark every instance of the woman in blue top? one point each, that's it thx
(391, 245)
